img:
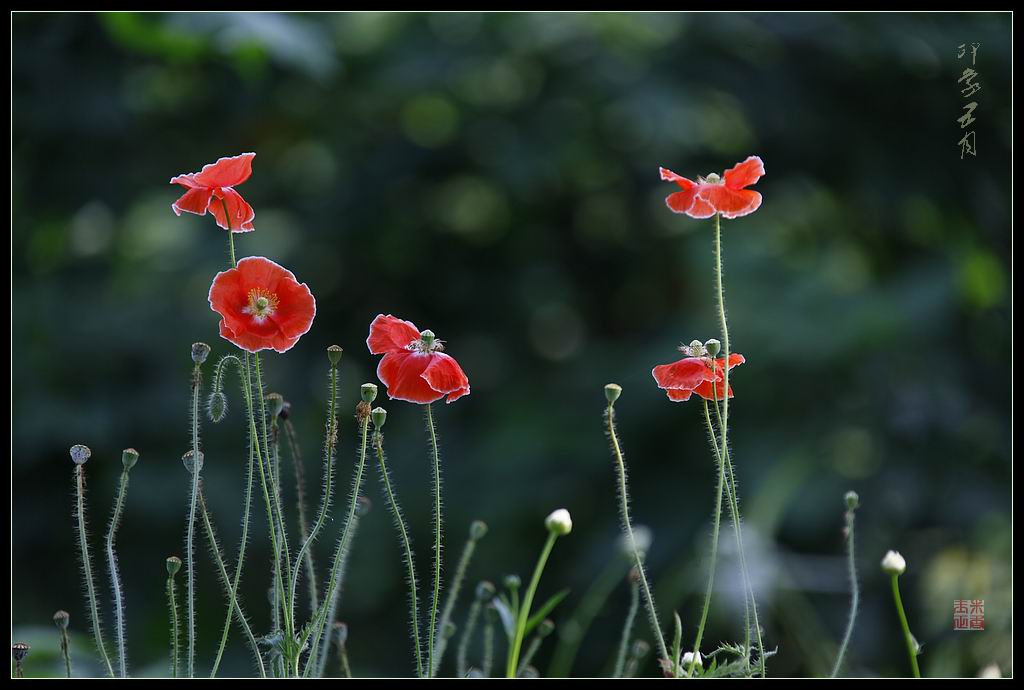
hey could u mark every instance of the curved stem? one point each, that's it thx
(300, 506)
(908, 637)
(462, 653)
(437, 541)
(524, 610)
(115, 579)
(90, 590)
(403, 535)
(714, 538)
(627, 526)
(851, 566)
(451, 599)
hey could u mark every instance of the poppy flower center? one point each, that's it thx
(427, 343)
(262, 304)
(694, 349)
(713, 178)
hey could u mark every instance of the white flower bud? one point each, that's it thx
(894, 563)
(559, 522)
(688, 659)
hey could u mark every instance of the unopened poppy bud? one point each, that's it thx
(449, 631)
(129, 456)
(688, 659)
(217, 406)
(368, 392)
(559, 522)
(713, 347)
(173, 565)
(545, 628)
(477, 530)
(341, 633)
(200, 351)
(61, 619)
(334, 354)
(852, 500)
(80, 454)
(363, 506)
(275, 405)
(427, 337)
(512, 582)
(612, 391)
(19, 650)
(379, 416)
(484, 591)
(189, 461)
(894, 563)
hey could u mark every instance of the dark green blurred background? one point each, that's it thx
(495, 178)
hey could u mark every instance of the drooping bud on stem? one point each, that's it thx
(217, 406)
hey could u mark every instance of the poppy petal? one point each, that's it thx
(744, 174)
(226, 172)
(446, 376)
(391, 334)
(240, 211)
(700, 208)
(402, 375)
(681, 202)
(670, 176)
(195, 200)
(731, 203)
(687, 373)
(187, 180)
(712, 392)
(678, 395)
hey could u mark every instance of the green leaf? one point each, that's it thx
(545, 609)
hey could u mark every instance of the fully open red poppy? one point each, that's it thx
(212, 189)
(709, 195)
(414, 368)
(700, 375)
(262, 305)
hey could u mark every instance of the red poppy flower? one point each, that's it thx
(262, 305)
(700, 375)
(709, 195)
(414, 368)
(213, 188)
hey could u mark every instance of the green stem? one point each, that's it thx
(907, 636)
(437, 541)
(627, 628)
(316, 631)
(714, 537)
(346, 669)
(65, 651)
(620, 463)
(724, 445)
(300, 501)
(231, 235)
(487, 662)
(225, 577)
(115, 579)
(461, 667)
(524, 610)
(851, 566)
(172, 604)
(451, 599)
(90, 590)
(190, 570)
(403, 535)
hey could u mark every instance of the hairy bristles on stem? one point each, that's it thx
(128, 459)
(295, 451)
(627, 525)
(173, 566)
(319, 625)
(477, 531)
(435, 489)
(484, 593)
(330, 448)
(79, 455)
(197, 466)
(402, 530)
(490, 618)
(627, 626)
(61, 619)
(852, 503)
(226, 582)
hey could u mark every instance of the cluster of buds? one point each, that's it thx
(696, 348)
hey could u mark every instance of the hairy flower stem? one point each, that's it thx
(487, 662)
(225, 577)
(452, 598)
(716, 523)
(330, 446)
(115, 578)
(462, 653)
(319, 624)
(83, 545)
(627, 628)
(172, 605)
(908, 637)
(190, 569)
(343, 665)
(724, 447)
(403, 536)
(436, 487)
(627, 526)
(300, 505)
(65, 651)
(524, 610)
(851, 566)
